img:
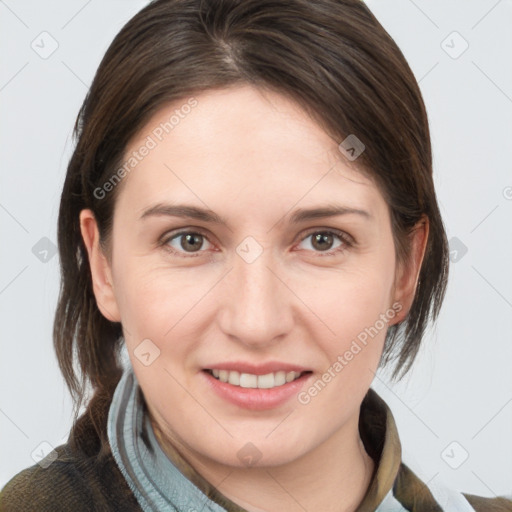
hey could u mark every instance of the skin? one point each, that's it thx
(253, 157)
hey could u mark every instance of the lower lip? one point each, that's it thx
(256, 399)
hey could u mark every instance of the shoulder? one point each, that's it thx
(415, 495)
(83, 476)
(480, 504)
(70, 482)
(56, 485)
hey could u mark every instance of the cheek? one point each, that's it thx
(147, 301)
(359, 317)
(350, 301)
(161, 304)
(355, 310)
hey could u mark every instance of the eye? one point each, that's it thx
(190, 242)
(185, 241)
(322, 241)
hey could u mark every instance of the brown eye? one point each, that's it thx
(185, 242)
(192, 241)
(324, 242)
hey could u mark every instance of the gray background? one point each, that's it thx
(454, 410)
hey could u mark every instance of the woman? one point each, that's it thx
(249, 213)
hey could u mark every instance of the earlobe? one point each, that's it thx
(100, 268)
(408, 272)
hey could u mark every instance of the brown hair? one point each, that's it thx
(331, 56)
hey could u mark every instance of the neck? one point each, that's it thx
(333, 478)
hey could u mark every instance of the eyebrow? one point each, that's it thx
(206, 215)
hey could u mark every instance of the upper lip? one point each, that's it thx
(257, 369)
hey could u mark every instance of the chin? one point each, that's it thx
(256, 454)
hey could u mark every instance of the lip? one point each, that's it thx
(256, 399)
(257, 369)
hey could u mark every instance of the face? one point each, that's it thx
(246, 283)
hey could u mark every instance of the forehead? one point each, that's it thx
(242, 146)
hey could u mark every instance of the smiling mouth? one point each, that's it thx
(249, 380)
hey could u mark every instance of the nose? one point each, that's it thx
(257, 306)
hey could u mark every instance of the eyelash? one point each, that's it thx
(346, 239)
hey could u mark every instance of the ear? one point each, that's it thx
(407, 274)
(101, 272)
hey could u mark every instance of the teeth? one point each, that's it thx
(290, 376)
(248, 380)
(266, 381)
(234, 378)
(279, 378)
